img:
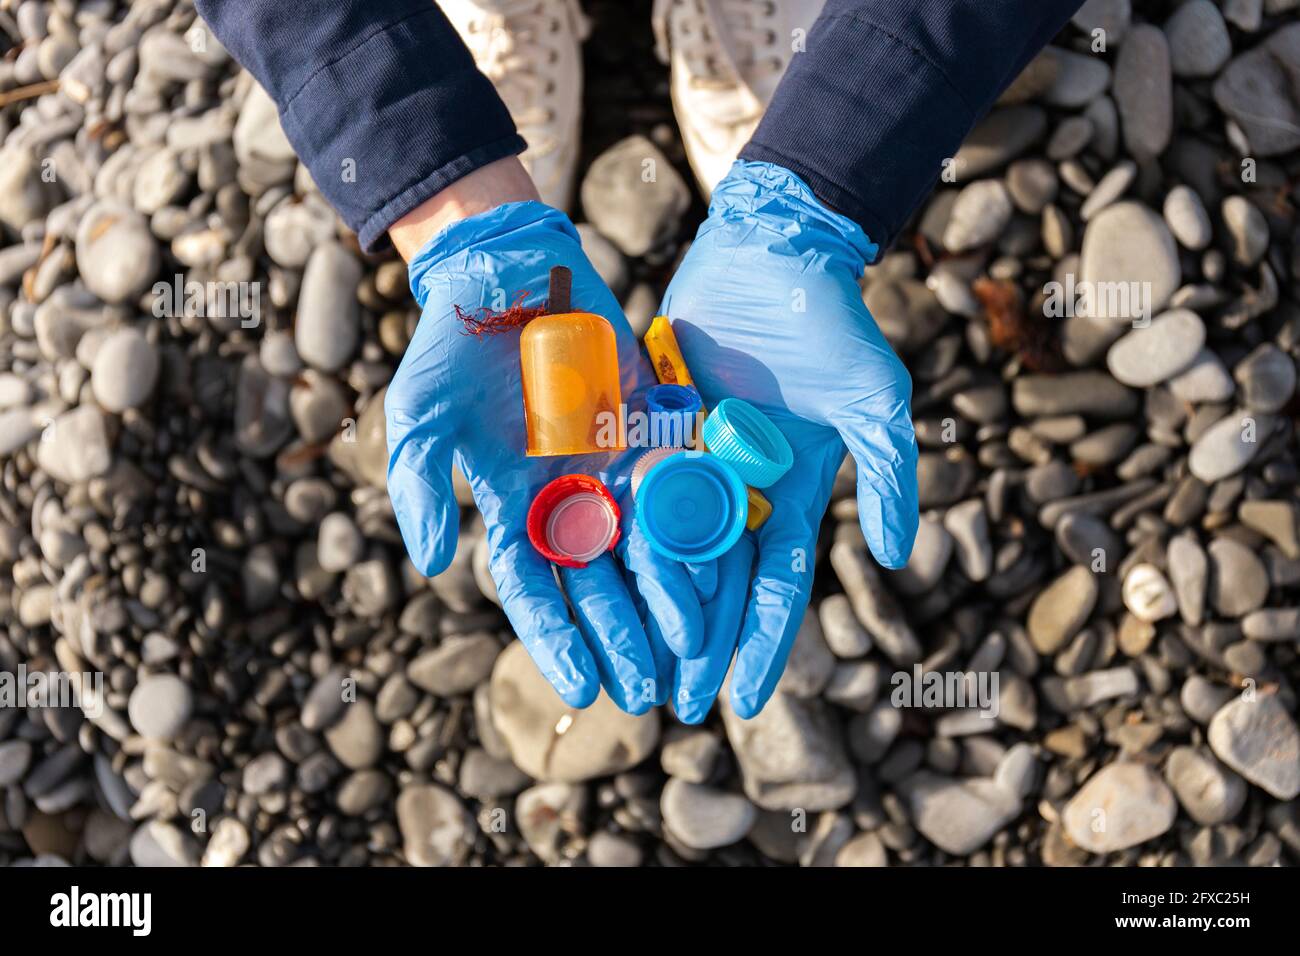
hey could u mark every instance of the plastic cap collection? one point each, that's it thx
(692, 499)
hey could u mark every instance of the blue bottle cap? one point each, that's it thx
(746, 439)
(692, 506)
(672, 409)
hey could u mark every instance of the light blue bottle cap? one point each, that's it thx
(692, 507)
(672, 409)
(746, 439)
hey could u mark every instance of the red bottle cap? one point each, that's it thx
(573, 520)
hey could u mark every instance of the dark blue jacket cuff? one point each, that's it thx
(887, 89)
(380, 98)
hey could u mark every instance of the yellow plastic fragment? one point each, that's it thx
(670, 369)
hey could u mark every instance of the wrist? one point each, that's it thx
(484, 189)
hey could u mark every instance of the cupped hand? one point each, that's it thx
(766, 307)
(458, 398)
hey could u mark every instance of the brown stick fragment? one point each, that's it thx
(27, 92)
(557, 296)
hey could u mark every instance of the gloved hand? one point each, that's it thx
(766, 307)
(458, 397)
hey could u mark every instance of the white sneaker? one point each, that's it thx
(531, 51)
(727, 57)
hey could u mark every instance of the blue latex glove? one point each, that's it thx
(766, 307)
(460, 397)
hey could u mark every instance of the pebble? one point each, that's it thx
(456, 666)
(437, 829)
(75, 446)
(704, 818)
(1159, 351)
(968, 524)
(1247, 228)
(1122, 805)
(1061, 609)
(549, 815)
(15, 757)
(690, 755)
(339, 543)
(156, 843)
(1258, 739)
(356, 739)
(1209, 792)
(791, 755)
(979, 215)
(329, 318)
(1079, 80)
(958, 816)
(844, 635)
(998, 138)
(1031, 184)
(1128, 243)
(1226, 447)
(1189, 570)
(1205, 380)
(1108, 189)
(160, 706)
(1199, 44)
(1143, 91)
(549, 740)
(612, 850)
(1266, 378)
(117, 256)
(634, 196)
(1187, 219)
(1147, 594)
(865, 849)
(1272, 624)
(1238, 582)
(125, 370)
(1254, 90)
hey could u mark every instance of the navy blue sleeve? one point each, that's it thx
(380, 98)
(885, 90)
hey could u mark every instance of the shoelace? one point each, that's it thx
(516, 44)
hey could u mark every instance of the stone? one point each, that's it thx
(979, 215)
(125, 370)
(957, 816)
(1187, 219)
(437, 829)
(1279, 521)
(1031, 184)
(329, 317)
(1122, 805)
(549, 740)
(549, 815)
(295, 228)
(633, 195)
(75, 446)
(1266, 378)
(1079, 80)
(704, 818)
(931, 551)
(258, 135)
(1199, 44)
(1209, 792)
(1112, 17)
(1061, 609)
(791, 754)
(339, 543)
(1205, 380)
(607, 849)
(1159, 351)
(1257, 89)
(1087, 393)
(689, 754)
(157, 843)
(1147, 594)
(160, 706)
(1128, 248)
(1000, 137)
(843, 634)
(1108, 189)
(1238, 578)
(968, 524)
(865, 849)
(357, 738)
(1143, 91)
(15, 757)
(1258, 739)
(1247, 228)
(456, 666)
(116, 253)
(25, 195)
(1189, 570)
(1227, 446)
